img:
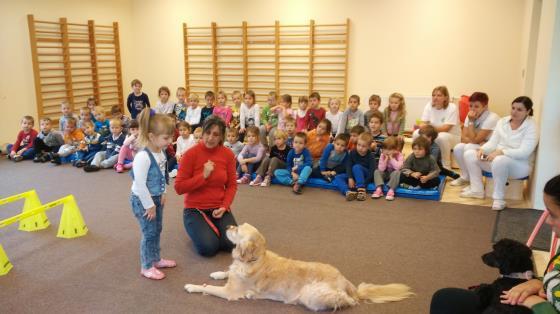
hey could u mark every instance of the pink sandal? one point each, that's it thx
(152, 273)
(165, 263)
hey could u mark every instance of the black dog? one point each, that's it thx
(513, 259)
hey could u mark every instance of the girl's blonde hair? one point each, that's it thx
(402, 105)
(156, 124)
(222, 93)
(335, 100)
(280, 134)
(193, 97)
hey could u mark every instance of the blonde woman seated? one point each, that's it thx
(508, 154)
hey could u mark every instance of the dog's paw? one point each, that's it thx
(219, 275)
(191, 288)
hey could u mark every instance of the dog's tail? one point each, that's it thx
(383, 293)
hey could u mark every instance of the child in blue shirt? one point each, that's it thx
(298, 165)
(333, 160)
(108, 158)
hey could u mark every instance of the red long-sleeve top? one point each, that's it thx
(218, 190)
(24, 140)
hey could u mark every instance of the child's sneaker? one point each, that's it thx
(266, 181)
(351, 195)
(378, 193)
(128, 166)
(152, 273)
(173, 173)
(257, 182)
(17, 158)
(498, 205)
(165, 263)
(119, 168)
(459, 182)
(361, 195)
(243, 180)
(390, 195)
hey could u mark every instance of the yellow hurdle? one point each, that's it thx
(32, 223)
(5, 264)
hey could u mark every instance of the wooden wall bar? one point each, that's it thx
(292, 59)
(75, 61)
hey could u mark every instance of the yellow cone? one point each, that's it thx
(36, 222)
(72, 224)
(5, 264)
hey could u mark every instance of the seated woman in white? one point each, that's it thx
(444, 116)
(508, 154)
(478, 127)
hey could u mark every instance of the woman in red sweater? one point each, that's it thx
(207, 177)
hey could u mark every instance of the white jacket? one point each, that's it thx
(518, 144)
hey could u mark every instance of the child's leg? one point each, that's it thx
(409, 180)
(394, 179)
(263, 167)
(275, 163)
(341, 182)
(316, 172)
(304, 175)
(149, 248)
(340, 169)
(359, 172)
(124, 153)
(28, 153)
(432, 183)
(97, 159)
(284, 176)
(171, 163)
(40, 146)
(109, 162)
(66, 150)
(159, 225)
(379, 177)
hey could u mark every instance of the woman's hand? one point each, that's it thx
(218, 213)
(208, 168)
(150, 213)
(532, 301)
(494, 154)
(519, 293)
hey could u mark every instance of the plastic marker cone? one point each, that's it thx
(72, 224)
(5, 264)
(36, 222)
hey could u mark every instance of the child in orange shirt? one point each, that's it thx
(73, 136)
(318, 139)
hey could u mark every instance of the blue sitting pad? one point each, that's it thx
(489, 175)
(424, 194)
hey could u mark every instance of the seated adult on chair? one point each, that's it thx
(444, 116)
(207, 177)
(509, 153)
(541, 296)
(478, 127)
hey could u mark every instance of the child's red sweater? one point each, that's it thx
(218, 190)
(24, 140)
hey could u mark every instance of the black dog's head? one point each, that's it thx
(509, 256)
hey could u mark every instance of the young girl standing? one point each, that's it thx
(221, 110)
(150, 176)
(394, 115)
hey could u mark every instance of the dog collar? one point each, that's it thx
(524, 275)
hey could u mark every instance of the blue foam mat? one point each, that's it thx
(424, 194)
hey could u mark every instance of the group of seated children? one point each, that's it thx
(350, 149)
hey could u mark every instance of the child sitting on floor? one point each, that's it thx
(420, 169)
(290, 128)
(318, 139)
(355, 132)
(101, 123)
(117, 114)
(129, 149)
(48, 140)
(374, 104)
(67, 113)
(221, 109)
(85, 116)
(232, 141)
(374, 124)
(333, 160)
(359, 170)
(23, 146)
(430, 133)
(388, 168)
(164, 104)
(73, 136)
(108, 158)
(185, 140)
(181, 105)
(352, 116)
(298, 165)
(276, 160)
(89, 146)
(251, 155)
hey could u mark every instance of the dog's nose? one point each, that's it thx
(230, 227)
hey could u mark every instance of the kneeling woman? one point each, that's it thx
(207, 178)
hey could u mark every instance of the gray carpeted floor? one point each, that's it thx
(425, 244)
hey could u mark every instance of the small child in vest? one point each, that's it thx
(150, 177)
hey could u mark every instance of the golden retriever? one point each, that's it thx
(257, 273)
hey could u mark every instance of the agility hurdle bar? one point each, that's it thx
(71, 221)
